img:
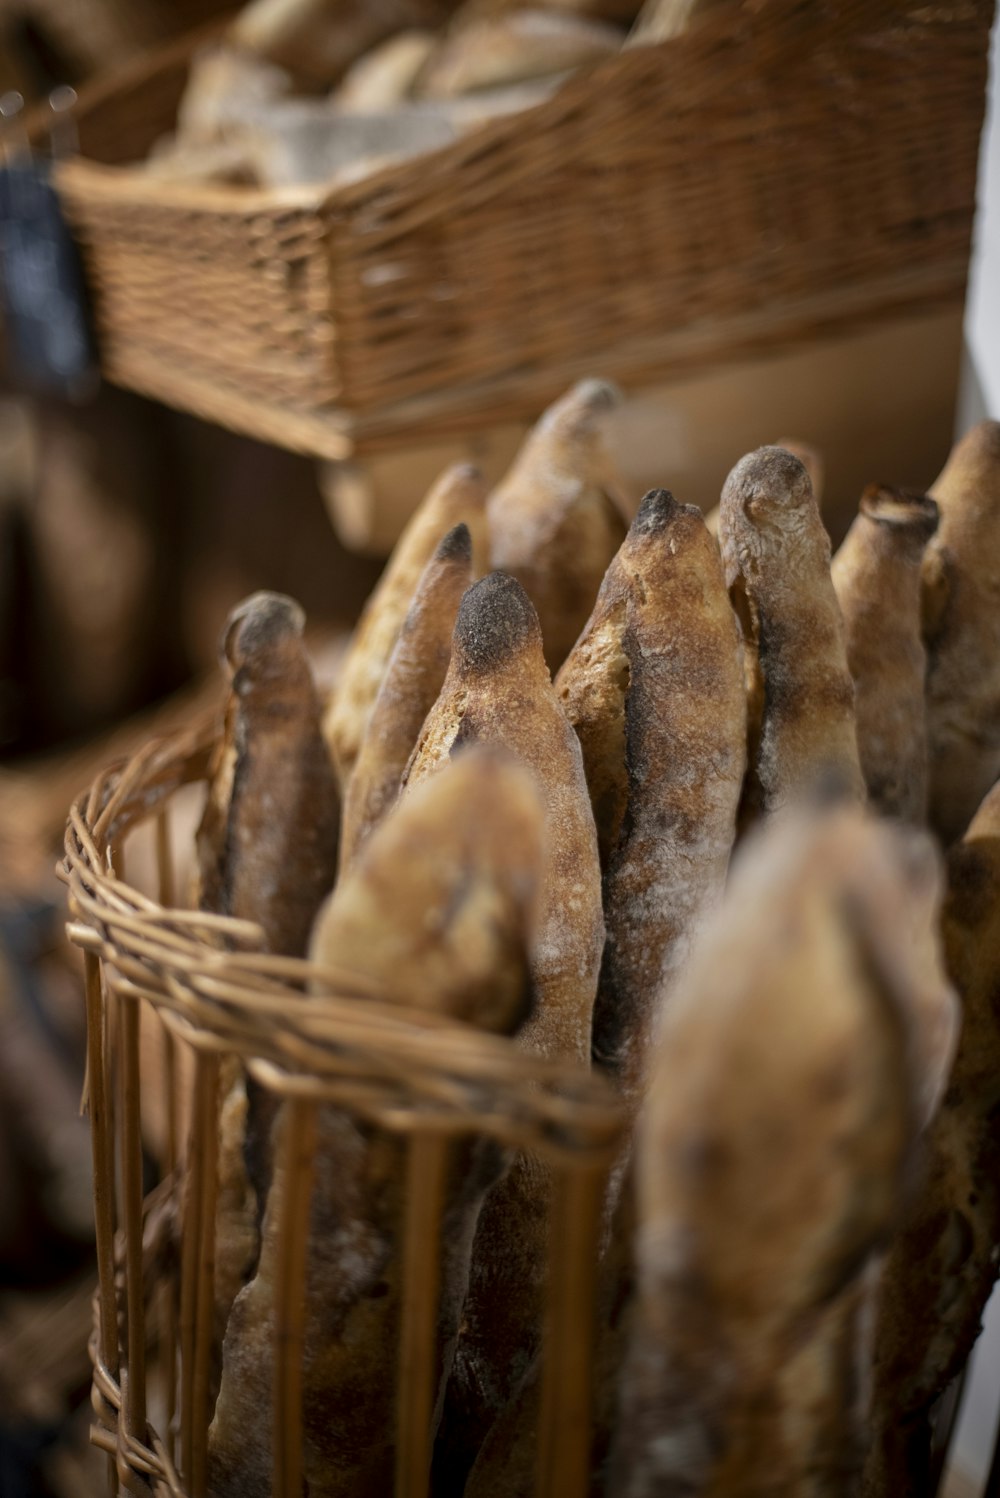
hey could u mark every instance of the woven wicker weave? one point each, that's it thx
(415, 1074)
(790, 166)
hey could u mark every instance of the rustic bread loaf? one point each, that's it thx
(943, 1261)
(498, 691)
(801, 1056)
(961, 594)
(457, 497)
(776, 554)
(267, 852)
(439, 907)
(654, 689)
(556, 518)
(413, 678)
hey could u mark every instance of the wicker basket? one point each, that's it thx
(216, 994)
(791, 166)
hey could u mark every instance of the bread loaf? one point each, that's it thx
(943, 1262)
(876, 576)
(962, 632)
(802, 1053)
(439, 907)
(267, 852)
(776, 554)
(556, 518)
(498, 692)
(413, 678)
(654, 688)
(457, 497)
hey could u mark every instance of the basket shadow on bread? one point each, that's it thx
(652, 974)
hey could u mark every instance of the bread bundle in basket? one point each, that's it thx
(518, 815)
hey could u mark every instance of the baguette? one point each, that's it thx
(458, 496)
(776, 553)
(498, 51)
(654, 689)
(498, 691)
(556, 518)
(440, 908)
(804, 1051)
(876, 577)
(943, 1261)
(267, 852)
(962, 632)
(413, 678)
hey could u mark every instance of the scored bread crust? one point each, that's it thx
(942, 1264)
(439, 908)
(498, 691)
(776, 553)
(557, 517)
(876, 577)
(267, 852)
(413, 678)
(961, 614)
(654, 689)
(458, 496)
(805, 1048)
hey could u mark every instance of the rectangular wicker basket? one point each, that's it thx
(790, 166)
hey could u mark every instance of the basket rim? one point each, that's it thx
(313, 1034)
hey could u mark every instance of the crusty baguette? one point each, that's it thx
(317, 39)
(267, 852)
(439, 907)
(458, 496)
(497, 51)
(812, 462)
(498, 691)
(803, 1052)
(654, 689)
(384, 77)
(943, 1262)
(413, 678)
(876, 576)
(961, 609)
(776, 553)
(556, 518)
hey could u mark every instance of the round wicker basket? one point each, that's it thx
(312, 1037)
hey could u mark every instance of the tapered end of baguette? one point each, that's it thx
(257, 625)
(657, 510)
(496, 623)
(900, 508)
(581, 411)
(973, 468)
(456, 546)
(771, 477)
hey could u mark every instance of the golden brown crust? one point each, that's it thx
(942, 1264)
(961, 611)
(876, 576)
(803, 736)
(497, 51)
(556, 517)
(458, 496)
(807, 1030)
(498, 691)
(412, 681)
(466, 850)
(654, 688)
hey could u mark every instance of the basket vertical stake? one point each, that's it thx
(568, 1347)
(190, 1249)
(102, 1147)
(425, 1180)
(168, 1299)
(298, 1144)
(134, 1400)
(208, 1132)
